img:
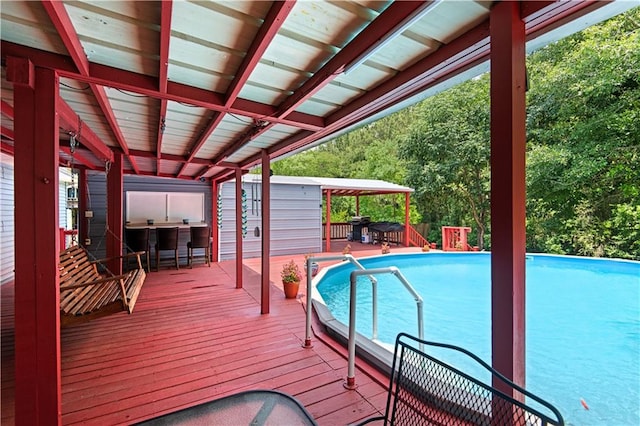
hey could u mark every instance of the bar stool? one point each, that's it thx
(166, 239)
(138, 240)
(200, 238)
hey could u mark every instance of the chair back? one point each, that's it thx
(137, 239)
(200, 236)
(426, 390)
(167, 238)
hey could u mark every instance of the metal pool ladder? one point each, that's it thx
(352, 305)
(352, 312)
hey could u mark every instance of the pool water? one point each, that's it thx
(582, 322)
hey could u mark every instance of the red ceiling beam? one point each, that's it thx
(272, 23)
(77, 156)
(544, 16)
(169, 157)
(7, 109)
(388, 21)
(146, 85)
(61, 21)
(468, 50)
(70, 122)
(268, 30)
(7, 133)
(166, 8)
(6, 148)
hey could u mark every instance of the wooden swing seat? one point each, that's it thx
(86, 295)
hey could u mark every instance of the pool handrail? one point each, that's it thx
(310, 261)
(351, 379)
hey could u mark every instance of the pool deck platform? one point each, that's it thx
(194, 337)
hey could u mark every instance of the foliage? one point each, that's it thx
(583, 124)
(447, 153)
(291, 272)
(583, 150)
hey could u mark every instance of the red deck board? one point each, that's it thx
(194, 337)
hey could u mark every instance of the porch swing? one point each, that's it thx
(85, 294)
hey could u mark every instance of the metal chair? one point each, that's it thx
(425, 391)
(200, 238)
(166, 239)
(137, 240)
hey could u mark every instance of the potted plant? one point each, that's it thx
(291, 277)
(385, 248)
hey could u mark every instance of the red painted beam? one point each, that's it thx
(115, 184)
(166, 8)
(7, 133)
(146, 85)
(61, 21)
(38, 384)
(7, 109)
(79, 157)
(7, 149)
(268, 30)
(508, 139)
(271, 25)
(266, 233)
(385, 23)
(206, 132)
(71, 122)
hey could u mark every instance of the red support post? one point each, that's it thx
(407, 225)
(238, 228)
(38, 394)
(215, 231)
(266, 231)
(508, 82)
(115, 186)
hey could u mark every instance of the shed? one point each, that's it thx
(296, 211)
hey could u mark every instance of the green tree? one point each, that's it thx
(447, 152)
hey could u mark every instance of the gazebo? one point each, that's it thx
(204, 91)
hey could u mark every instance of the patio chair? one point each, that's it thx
(137, 240)
(425, 390)
(167, 239)
(200, 239)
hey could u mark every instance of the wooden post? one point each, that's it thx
(38, 395)
(508, 192)
(266, 231)
(238, 228)
(115, 186)
(407, 224)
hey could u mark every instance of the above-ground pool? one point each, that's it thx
(582, 322)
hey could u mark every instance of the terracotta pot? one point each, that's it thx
(291, 289)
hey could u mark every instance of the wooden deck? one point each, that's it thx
(194, 337)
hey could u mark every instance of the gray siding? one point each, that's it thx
(97, 203)
(296, 220)
(7, 220)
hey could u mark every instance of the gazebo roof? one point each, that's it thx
(337, 186)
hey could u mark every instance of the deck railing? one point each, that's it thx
(415, 238)
(341, 231)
